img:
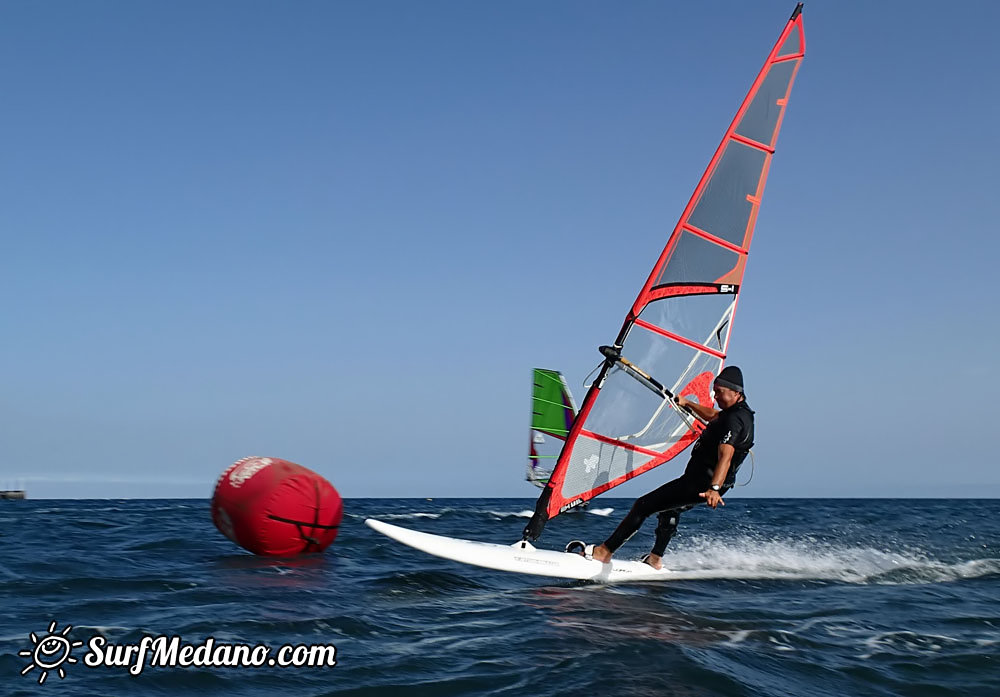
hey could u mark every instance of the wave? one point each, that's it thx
(426, 582)
(517, 514)
(104, 630)
(405, 516)
(907, 643)
(527, 513)
(806, 560)
(4, 571)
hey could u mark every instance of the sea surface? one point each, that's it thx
(772, 597)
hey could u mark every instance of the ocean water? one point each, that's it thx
(771, 597)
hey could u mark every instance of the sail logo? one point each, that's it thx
(700, 388)
(246, 469)
(572, 504)
(591, 462)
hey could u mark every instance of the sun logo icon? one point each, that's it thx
(50, 652)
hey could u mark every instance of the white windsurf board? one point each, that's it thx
(520, 557)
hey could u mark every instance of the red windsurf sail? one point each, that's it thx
(676, 334)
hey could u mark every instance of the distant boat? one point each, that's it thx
(12, 494)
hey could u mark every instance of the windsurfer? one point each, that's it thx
(710, 473)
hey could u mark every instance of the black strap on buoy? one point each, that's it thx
(300, 525)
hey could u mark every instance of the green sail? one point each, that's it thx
(552, 414)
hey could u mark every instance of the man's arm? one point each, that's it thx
(706, 412)
(714, 498)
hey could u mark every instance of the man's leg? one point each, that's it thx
(665, 528)
(668, 496)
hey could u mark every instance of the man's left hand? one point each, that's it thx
(712, 498)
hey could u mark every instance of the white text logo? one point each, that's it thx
(54, 649)
(247, 469)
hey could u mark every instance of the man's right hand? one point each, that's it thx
(712, 498)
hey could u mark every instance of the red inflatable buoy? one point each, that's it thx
(275, 507)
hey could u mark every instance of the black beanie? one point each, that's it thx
(730, 377)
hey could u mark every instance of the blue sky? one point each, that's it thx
(344, 233)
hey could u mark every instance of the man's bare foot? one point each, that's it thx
(602, 554)
(654, 560)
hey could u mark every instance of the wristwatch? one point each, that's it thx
(715, 487)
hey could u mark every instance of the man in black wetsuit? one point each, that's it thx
(710, 473)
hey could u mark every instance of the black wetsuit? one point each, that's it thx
(732, 426)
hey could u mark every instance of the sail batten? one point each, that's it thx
(676, 337)
(752, 143)
(677, 331)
